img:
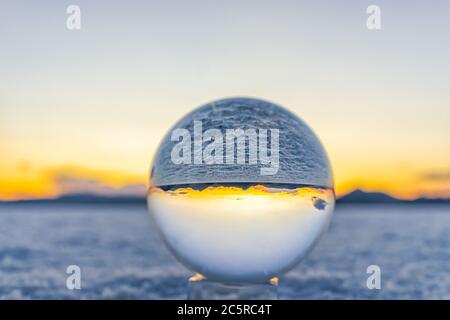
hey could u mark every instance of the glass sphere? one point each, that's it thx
(241, 190)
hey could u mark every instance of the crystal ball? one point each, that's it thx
(241, 190)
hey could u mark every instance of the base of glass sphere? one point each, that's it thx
(200, 288)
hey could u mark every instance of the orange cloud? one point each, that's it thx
(74, 185)
(69, 179)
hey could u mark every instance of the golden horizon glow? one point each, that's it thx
(25, 183)
(232, 191)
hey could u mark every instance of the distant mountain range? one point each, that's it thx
(84, 199)
(359, 196)
(354, 197)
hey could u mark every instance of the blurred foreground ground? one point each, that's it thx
(122, 257)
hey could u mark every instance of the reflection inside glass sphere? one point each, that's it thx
(241, 232)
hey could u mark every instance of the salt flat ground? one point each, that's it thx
(122, 257)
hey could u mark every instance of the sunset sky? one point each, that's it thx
(84, 110)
